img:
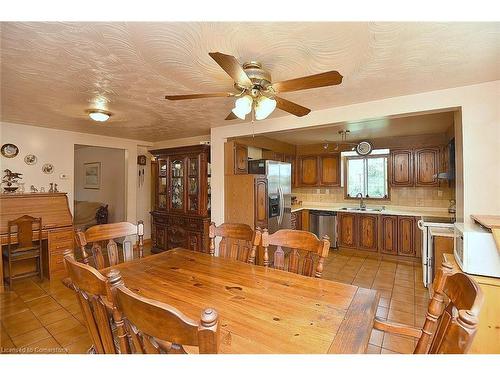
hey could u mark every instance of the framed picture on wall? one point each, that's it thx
(92, 177)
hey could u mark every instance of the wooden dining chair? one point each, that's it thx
(157, 328)
(238, 241)
(451, 321)
(302, 248)
(94, 296)
(99, 234)
(26, 248)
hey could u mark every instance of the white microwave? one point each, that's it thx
(475, 250)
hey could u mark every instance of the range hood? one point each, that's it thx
(450, 173)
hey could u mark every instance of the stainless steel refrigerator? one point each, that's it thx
(279, 190)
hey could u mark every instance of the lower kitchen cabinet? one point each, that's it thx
(347, 229)
(389, 234)
(367, 232)
(406, 236)
(296, 220)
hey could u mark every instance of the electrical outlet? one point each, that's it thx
(63, 176)
(440, 193)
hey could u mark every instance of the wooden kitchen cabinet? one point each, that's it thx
(401, 168)
(367, 232)
(347, 229)
(246, 200)
(406, 236)
(296, 220)
(293, 162)
(308, 172)
(261, 206)
(441, 245)
(426, 166)
(236, 158)
(389, 234)
(318, 170)
(329, 168)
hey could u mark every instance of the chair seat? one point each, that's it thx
(23, 253)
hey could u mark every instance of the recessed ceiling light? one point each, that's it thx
(99, 115)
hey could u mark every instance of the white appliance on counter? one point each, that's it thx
(475, 250)
(427, 243)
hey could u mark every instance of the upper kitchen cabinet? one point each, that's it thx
(329, 169)
(426, 166)
(401, 168)
(236, 158)
(318, 170)
(414, 167)
(308, 173)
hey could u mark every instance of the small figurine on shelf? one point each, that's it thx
(33, 189)
(51, 188)
(55, 189)
(42, 189)
(11, 181)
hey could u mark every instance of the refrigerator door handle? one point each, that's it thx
(281, 206)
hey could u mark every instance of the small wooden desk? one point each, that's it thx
(261, 310)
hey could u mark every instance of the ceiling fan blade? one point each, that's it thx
(199, 96)
(309, 82)
(232, 67)
(291, 107)
(231, 116)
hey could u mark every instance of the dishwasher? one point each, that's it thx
(324, 223)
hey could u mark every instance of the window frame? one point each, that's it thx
(346, 174)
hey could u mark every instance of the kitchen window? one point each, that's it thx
(366, 174)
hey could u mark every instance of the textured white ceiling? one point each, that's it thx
(52, 72)
(433, 123)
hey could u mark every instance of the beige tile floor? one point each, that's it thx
(44, 317)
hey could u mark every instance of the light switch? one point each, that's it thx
(440, 193)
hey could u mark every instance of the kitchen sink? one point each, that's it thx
(362, 209)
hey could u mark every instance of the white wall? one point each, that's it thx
(144, 192)
(480, 106)
(112, 186)
(57, 147)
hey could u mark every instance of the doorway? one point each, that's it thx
(99, 186)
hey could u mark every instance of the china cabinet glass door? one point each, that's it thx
(193, 185)
(162, 185)
(177, 187)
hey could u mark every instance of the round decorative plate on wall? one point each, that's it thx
(30, 159)
(9, 150)
(364, 148)
(48, 168)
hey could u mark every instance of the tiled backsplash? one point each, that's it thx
(400, 196)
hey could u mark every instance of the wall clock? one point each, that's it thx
(9, 150)
(364, 148)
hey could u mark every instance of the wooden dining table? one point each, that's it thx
(261, 310)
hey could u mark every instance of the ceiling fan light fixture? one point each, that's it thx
(264, 107)
(99, 115)
(243, 106)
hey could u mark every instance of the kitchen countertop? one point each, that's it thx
(389, 210)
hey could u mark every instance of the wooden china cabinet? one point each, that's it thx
(181, 214)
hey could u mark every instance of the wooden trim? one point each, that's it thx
(181, 150)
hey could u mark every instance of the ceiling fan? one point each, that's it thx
(257, 92)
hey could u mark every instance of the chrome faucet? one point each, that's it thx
(362, 204)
